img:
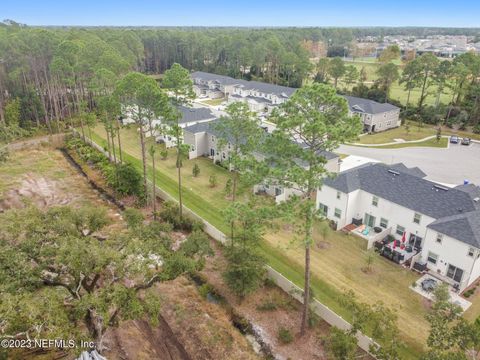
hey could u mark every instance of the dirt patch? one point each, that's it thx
(36, 190)
(269, 310)
(323, 245)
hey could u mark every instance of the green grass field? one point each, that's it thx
(442, 143)
(416, 132)
(336, 265)
(397, 91)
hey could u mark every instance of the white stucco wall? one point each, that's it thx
(451, 252)
(356, 204)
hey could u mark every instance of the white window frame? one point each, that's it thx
(339, 195)
(471, 251)
(375, 200)
(415, 216)
(398, 233)
(383, 221)
(439, 238)
(432, 256)
(337, 213)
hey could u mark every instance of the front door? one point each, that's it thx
(454, 273)
(370, 220)
(415, 241)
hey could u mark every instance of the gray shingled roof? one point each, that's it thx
(282, 91)
(357, 104)
(405, 189)
(194, 114)
(463, 227)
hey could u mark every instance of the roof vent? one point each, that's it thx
(393, 172)
(440, 187)
(477, 199)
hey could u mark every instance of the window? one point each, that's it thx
(213, 138)
(339, 194)
(439, 238)
(192, 148)
(471, 251)
(400, 230)
(323, 209)
(383, 223)
(375, 201)
(432, 258)
(416, 218)
(454, 273)
(338, 213)
(223, 155)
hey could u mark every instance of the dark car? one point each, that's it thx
(429, 284)
(466, 141)
(454, 139)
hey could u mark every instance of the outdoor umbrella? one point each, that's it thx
(404, 239)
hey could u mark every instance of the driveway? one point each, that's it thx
(448, 166)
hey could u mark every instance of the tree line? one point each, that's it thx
(428, 75)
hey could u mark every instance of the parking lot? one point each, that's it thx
(448, 166)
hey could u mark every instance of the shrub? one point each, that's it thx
(204, 290)
(228, 187)
(127, 180)
(212, 181)
(170, 213)
(3, 155)
(196, 170)
(285, 336)
(164, 154)
(267, 306)
(133, 218)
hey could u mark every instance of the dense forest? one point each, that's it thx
(49, 74)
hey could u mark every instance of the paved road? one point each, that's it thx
(449, 166)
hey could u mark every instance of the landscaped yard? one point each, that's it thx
(336, 264)
(416, 132)
(442, 143)
(214, 102)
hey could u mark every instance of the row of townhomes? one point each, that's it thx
(414, 220)
(410, 219)
(262, 98)
(203, 139)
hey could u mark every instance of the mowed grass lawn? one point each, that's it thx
(339, 259)
(416, 132)
(397, 91)
(336, 265)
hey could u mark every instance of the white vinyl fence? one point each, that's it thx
(286, 285)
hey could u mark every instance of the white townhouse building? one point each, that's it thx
(263, 97)
(441, 225)
(260, 96)
(188, 117)
(375, 116)
(203, 139)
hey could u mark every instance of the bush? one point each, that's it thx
(285, 336)
(127, 180)
(133, 218)
(196, 170)
(171, 214)
(212, 180)
(267, 306)
(205, 289)
(3, 155)
(164, 154)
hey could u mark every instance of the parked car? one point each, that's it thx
(466, 141)
(454, 139)
(429, 284)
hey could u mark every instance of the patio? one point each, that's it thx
(368, 233)
(455, 298)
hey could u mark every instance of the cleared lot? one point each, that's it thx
(450, 166)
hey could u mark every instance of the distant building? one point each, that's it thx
(260, 96)
(375, 116)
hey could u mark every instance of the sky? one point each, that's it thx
(459, 13)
